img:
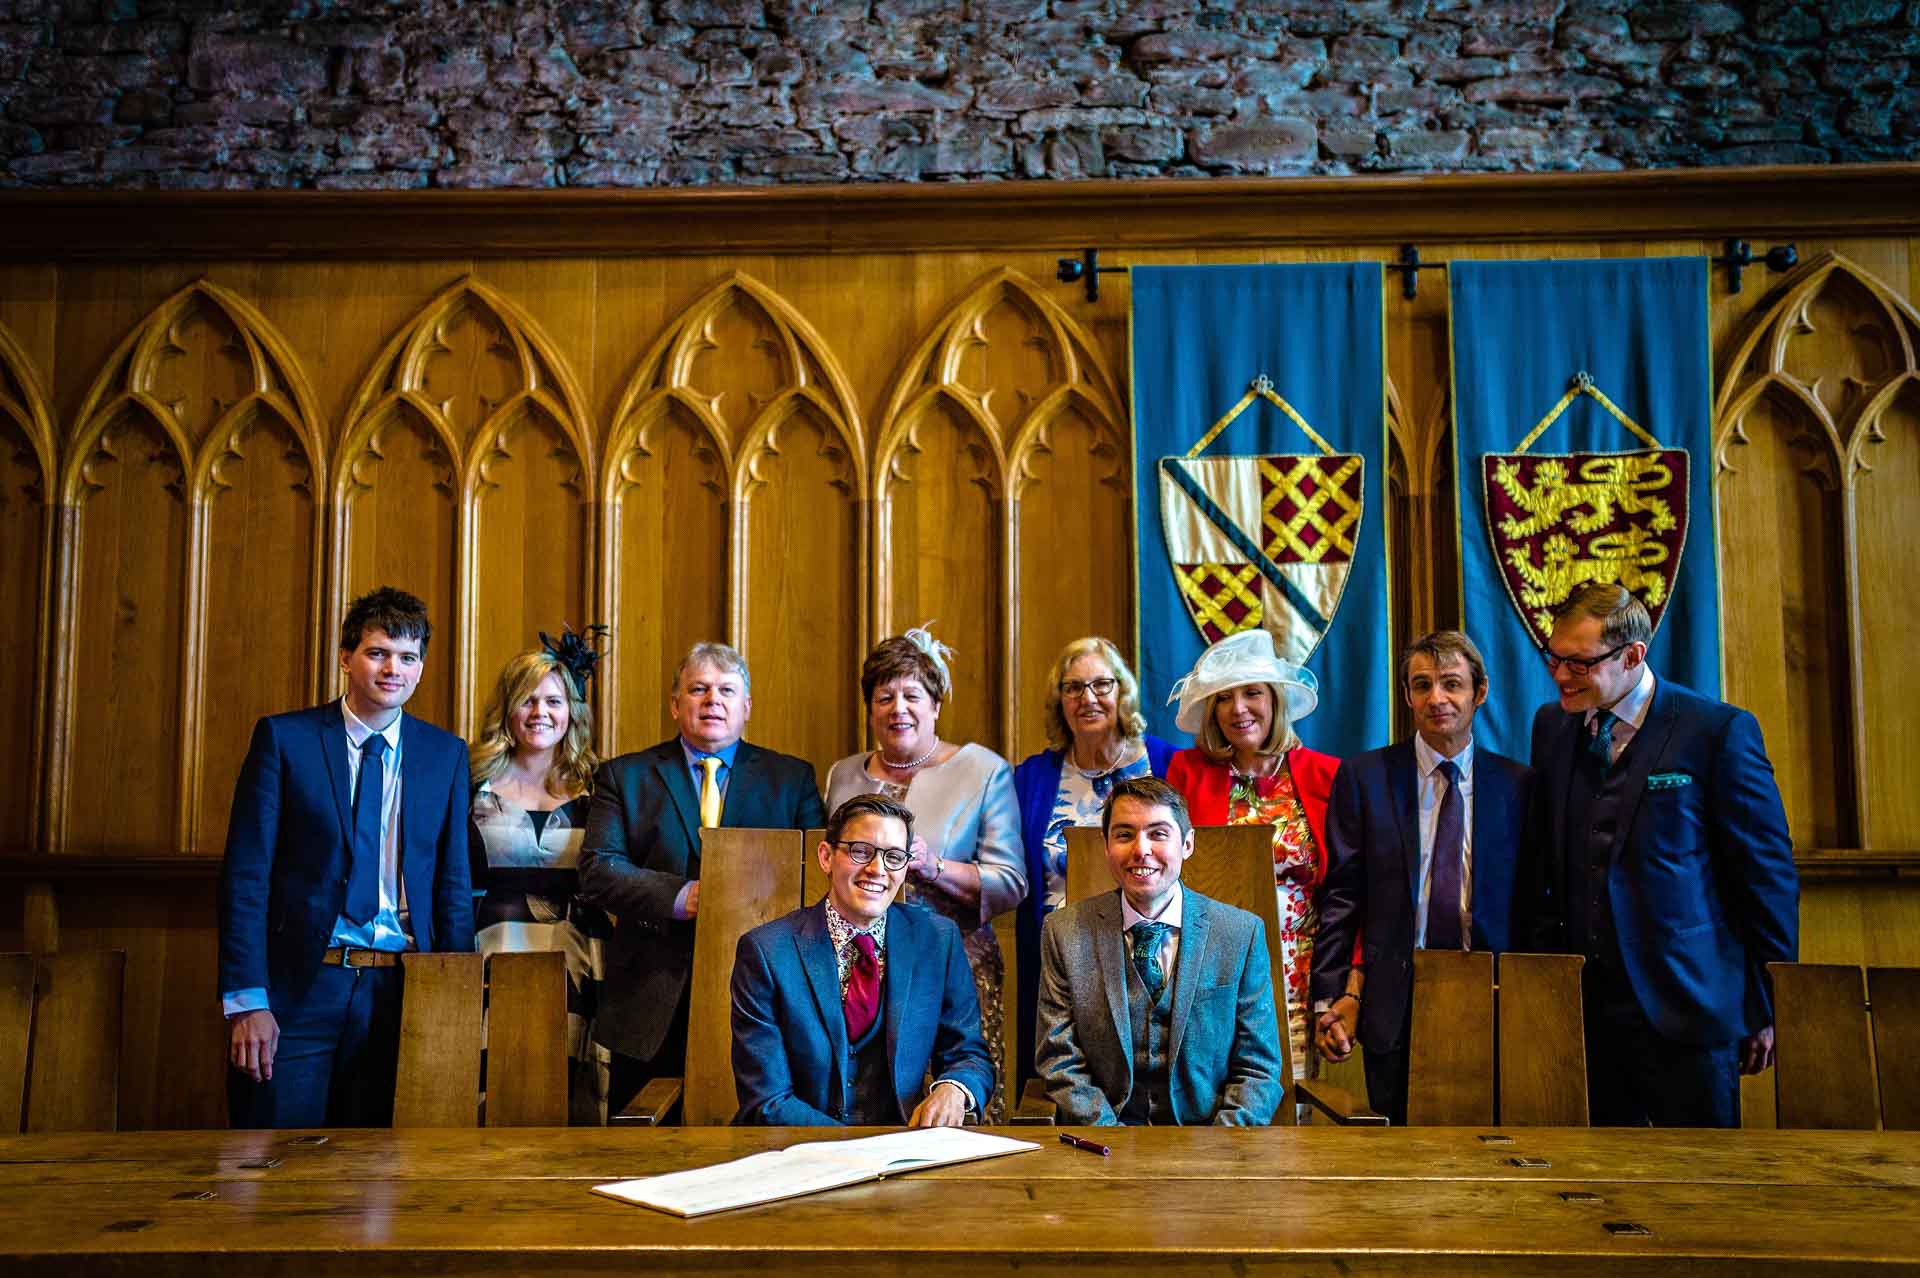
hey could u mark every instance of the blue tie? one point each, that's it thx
(363, 882)
(1600, 744)
(1147, 936)
(1449, 849)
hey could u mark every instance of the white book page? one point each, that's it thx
(916, 1147)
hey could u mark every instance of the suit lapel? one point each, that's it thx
(1403, 785)
(416, 817)
(1110, 955)
(743, 789)
(1187, 968)
(332, 732)
(902, 960)
(670, 765)
(1648, 744)
(823, 977)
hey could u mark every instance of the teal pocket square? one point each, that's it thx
(1669, 780)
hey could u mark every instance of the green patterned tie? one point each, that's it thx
(1600, 743)
(1147, 935)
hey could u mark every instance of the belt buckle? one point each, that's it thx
(346, 956)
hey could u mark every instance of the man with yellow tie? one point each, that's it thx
(641, 856)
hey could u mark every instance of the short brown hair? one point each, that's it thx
(867, 805)
(1151, 791)
(1440, 647)
(398, 613)
(901, 658)
(1623, 618)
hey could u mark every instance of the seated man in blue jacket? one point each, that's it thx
(1156, 1003)
(840, 1009)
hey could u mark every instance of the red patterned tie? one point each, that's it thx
(863, 988)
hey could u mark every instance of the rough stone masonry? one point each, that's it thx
(370, 94)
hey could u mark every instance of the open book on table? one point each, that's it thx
(808, 1168)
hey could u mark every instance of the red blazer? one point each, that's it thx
(1205, 785)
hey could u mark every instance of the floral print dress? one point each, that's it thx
(1274, 801)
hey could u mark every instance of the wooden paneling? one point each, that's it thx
(800, 421)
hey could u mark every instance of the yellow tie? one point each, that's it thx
(710, 793)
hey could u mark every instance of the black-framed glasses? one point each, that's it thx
(1101, 687)
(1581, 667)
(862, 853)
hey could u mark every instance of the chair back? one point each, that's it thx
(527, 1039)
(1542, 1042)
(437, 1076)
(1087, 873)
(16, 1029)
(1450, 1043)
(813, 879)
(1823, 1070)
(747, 877)
(73, 1070)
(1895, 992)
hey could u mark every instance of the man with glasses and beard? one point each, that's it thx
(1666, 861)
(841, 1009)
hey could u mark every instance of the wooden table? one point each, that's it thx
(1306, 1200)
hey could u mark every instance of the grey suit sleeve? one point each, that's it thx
(1254, 1087)
(1059, 1058)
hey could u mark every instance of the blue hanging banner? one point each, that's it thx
(1259, 461)
(1583, 429)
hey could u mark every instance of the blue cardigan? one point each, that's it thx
(1036, 785)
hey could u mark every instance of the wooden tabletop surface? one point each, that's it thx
(1188, 1201)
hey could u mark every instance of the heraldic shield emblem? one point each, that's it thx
(1264, 541)
(1558, 521)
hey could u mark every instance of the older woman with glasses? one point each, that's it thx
(967, 858)
(1096, 735)
(1241, 701)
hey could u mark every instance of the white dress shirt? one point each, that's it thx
(1630, 710)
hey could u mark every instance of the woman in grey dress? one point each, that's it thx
(968, 861)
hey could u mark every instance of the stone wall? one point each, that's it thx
(359, 94)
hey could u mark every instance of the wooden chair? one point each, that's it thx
(1830, 1028)
(60, 1041)
(747, 877)
(1232, 864)
(527, 1040)
(1481, 1053)
(437, 1076)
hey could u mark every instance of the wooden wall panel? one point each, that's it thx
(124, 641)
(26, 528)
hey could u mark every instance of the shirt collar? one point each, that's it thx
(695, 754)
(1632, 708)
(358, 732)
(1426, 758)
(1170, 916)
(841, 931)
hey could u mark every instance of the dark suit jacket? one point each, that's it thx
(790, 1022)
(1373, 876)
(1224, 1054)
(1701, 880)
(642, 846)
(290, 847)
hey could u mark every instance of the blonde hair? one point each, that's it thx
(573, 760)
(1133, 724)
(1279, 738)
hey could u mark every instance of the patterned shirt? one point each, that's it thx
(841, 933)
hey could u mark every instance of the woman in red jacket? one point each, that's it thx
(1241, 701)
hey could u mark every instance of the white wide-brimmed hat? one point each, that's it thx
(1247, 657)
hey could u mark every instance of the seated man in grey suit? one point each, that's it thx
(1156, 1003)
(842, 1009)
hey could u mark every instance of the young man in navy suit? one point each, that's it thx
(641, 856)
(347, 846)
(1424, 840)
(841, 1009)
(1669, 866)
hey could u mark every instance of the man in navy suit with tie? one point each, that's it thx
(1668, 865)
(641, 855)
(1424, 840)
(347, 846)
(840, 1010)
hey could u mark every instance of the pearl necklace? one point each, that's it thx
(1094, 775)
(910, 764)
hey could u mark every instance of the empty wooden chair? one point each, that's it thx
(1542, 1044)
(16, 1029)
(747, 877)
(1450, 1043)
(1845, 1046)
(437, 1076)
(73, 1072)
(1895, 993)
(527, 1040)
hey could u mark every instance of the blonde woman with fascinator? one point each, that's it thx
(531, 766)
(968, 862)
(1241, 702)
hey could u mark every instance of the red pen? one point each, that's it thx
(1079, 1143)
